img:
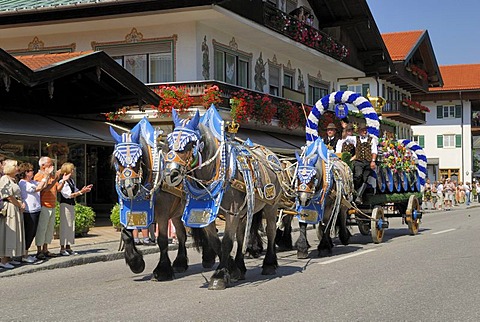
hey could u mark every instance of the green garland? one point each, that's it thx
(379, 199)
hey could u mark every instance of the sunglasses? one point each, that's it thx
(29, 171)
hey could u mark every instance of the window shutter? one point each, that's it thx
(421, 141)
(439, 141)
(365, 88)
(458, 140)
(458, 111)
(440, 112)
(343, 87)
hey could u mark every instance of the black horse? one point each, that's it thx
(169, 203)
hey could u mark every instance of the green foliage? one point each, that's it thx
(115, 216)
(346, 156)
(84, 217)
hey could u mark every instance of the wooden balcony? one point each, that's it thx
(269, 16)
(395, 110)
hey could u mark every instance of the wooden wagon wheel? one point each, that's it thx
(376, 225)
(411, 213)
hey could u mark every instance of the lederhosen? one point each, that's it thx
(363, 157)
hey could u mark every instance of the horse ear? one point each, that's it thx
(175, 118)
(313, 160)
(136, 135)
(193, 123)
(115, 135)
(298, 157)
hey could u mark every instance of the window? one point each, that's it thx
(151, 62)
(449, 141)
(357, 88)
(449, 111)
(273, 79)
(453, 174)
(231, 67)
(316, 91)
(420, 140)
(288, 80)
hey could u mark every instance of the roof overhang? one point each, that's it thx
(88, 84)
(355, 18)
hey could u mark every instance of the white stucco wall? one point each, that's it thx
(449, 158)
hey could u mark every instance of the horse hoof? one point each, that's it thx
(269, 270)
(302, 254)
(217, 284)
(137, 267)
(208, 264)
(161, 276)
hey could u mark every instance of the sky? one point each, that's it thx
(453, 26)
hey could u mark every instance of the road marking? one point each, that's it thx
(444, 231)
(347, 256)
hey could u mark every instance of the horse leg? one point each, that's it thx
(163, 271)
(283, 238)
(133, 257)
(180, 264)
(343, 233)
(221, 277)
(255, 242)
(270, 262)
(211, 246)
(302, 244)
(326, 242)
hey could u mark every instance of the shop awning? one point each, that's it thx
(22, 125)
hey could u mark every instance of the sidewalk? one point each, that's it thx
(102, 245)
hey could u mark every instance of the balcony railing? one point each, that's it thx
(267, 15)
(397, 110)
(303, 33)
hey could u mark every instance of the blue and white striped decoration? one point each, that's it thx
(180, 137)
(128, 153)
(329, 102)
(422, 159)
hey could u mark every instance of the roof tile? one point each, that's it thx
(459, 77)
(400, 44)
(35, 62)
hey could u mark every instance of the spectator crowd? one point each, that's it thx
(446, 193)
(27, 210)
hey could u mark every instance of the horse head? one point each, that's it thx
(308, 178)
(183, 145)
(126, 159)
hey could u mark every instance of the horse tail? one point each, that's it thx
(199, 238)
(133, 257)
(341, 97)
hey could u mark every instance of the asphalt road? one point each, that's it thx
(433, 276)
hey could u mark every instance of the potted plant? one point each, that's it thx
(84, 219)
(115, 217)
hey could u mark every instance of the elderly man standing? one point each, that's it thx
(364, 161)
(48, 198)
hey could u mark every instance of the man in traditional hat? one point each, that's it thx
(331, 139)
(347, 142)
(364, 160)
